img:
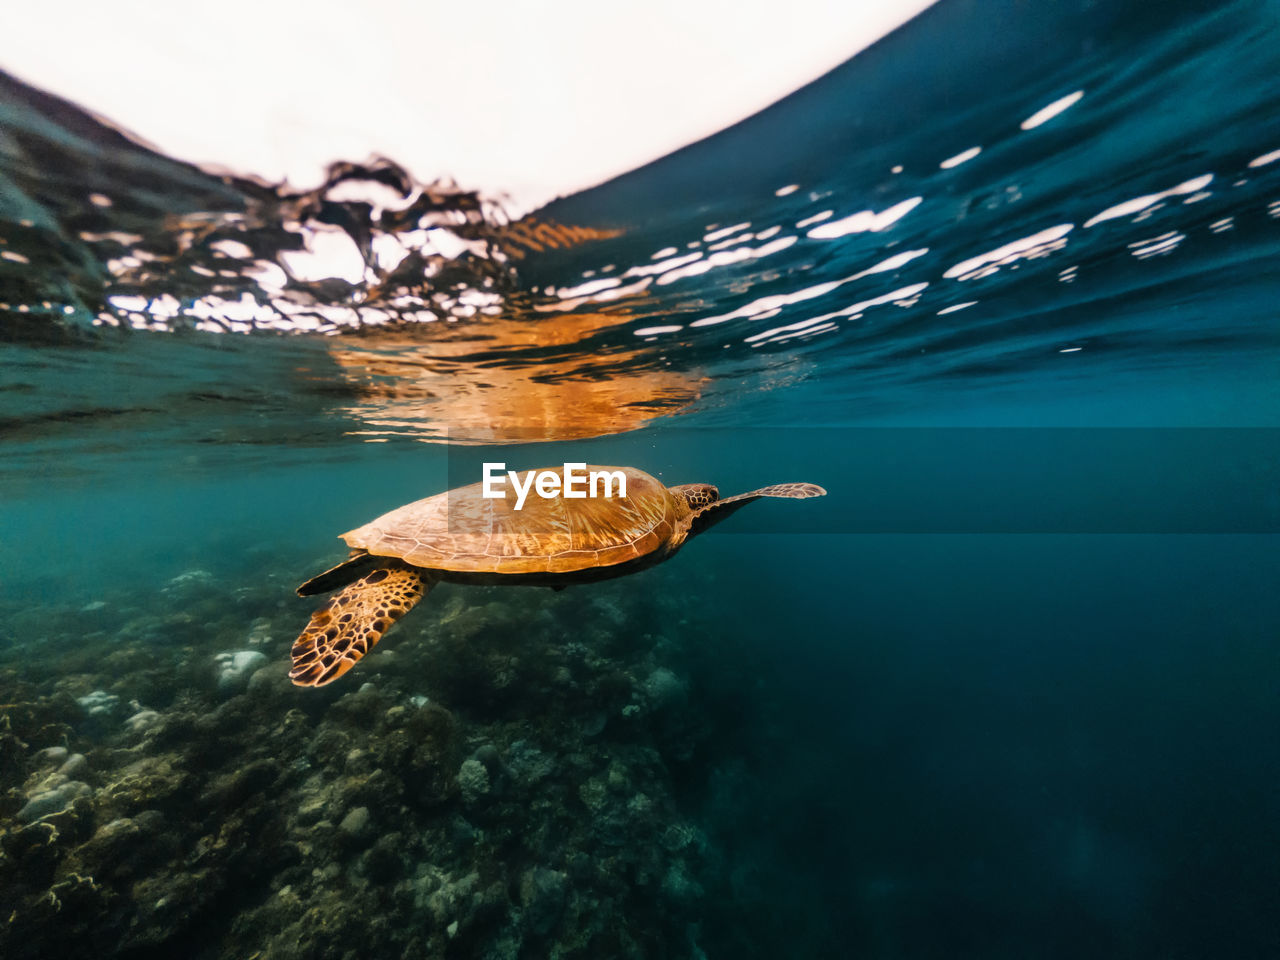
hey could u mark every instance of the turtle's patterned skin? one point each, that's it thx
(347, 627)
(463, 537)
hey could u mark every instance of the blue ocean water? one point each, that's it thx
(1005, 284)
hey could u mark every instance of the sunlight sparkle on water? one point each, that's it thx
(1037, 245)
(865, 221)
(960, 158)
(1138, 204)
(1046, 114)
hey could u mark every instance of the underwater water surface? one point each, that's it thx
(1006, 284)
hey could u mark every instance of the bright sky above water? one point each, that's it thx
(535, 99)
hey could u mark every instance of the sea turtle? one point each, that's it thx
(462, 536)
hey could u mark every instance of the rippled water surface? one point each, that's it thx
(1006, 284)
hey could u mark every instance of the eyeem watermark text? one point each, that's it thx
(572, 483)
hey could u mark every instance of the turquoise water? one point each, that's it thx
(1009, 690)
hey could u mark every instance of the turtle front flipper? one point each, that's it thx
(347, 627)
(348, 571)
(713, 513)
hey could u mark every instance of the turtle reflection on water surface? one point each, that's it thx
(460, 536)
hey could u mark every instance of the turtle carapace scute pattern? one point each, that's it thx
(461, 536)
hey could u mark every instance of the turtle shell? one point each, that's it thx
(465, 532)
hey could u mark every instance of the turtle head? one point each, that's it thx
(695, 496)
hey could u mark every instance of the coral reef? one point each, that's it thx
(500, 778)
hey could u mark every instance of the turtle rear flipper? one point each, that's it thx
(713, 513)
(346, 628)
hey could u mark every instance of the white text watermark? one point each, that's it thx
(572, 483)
